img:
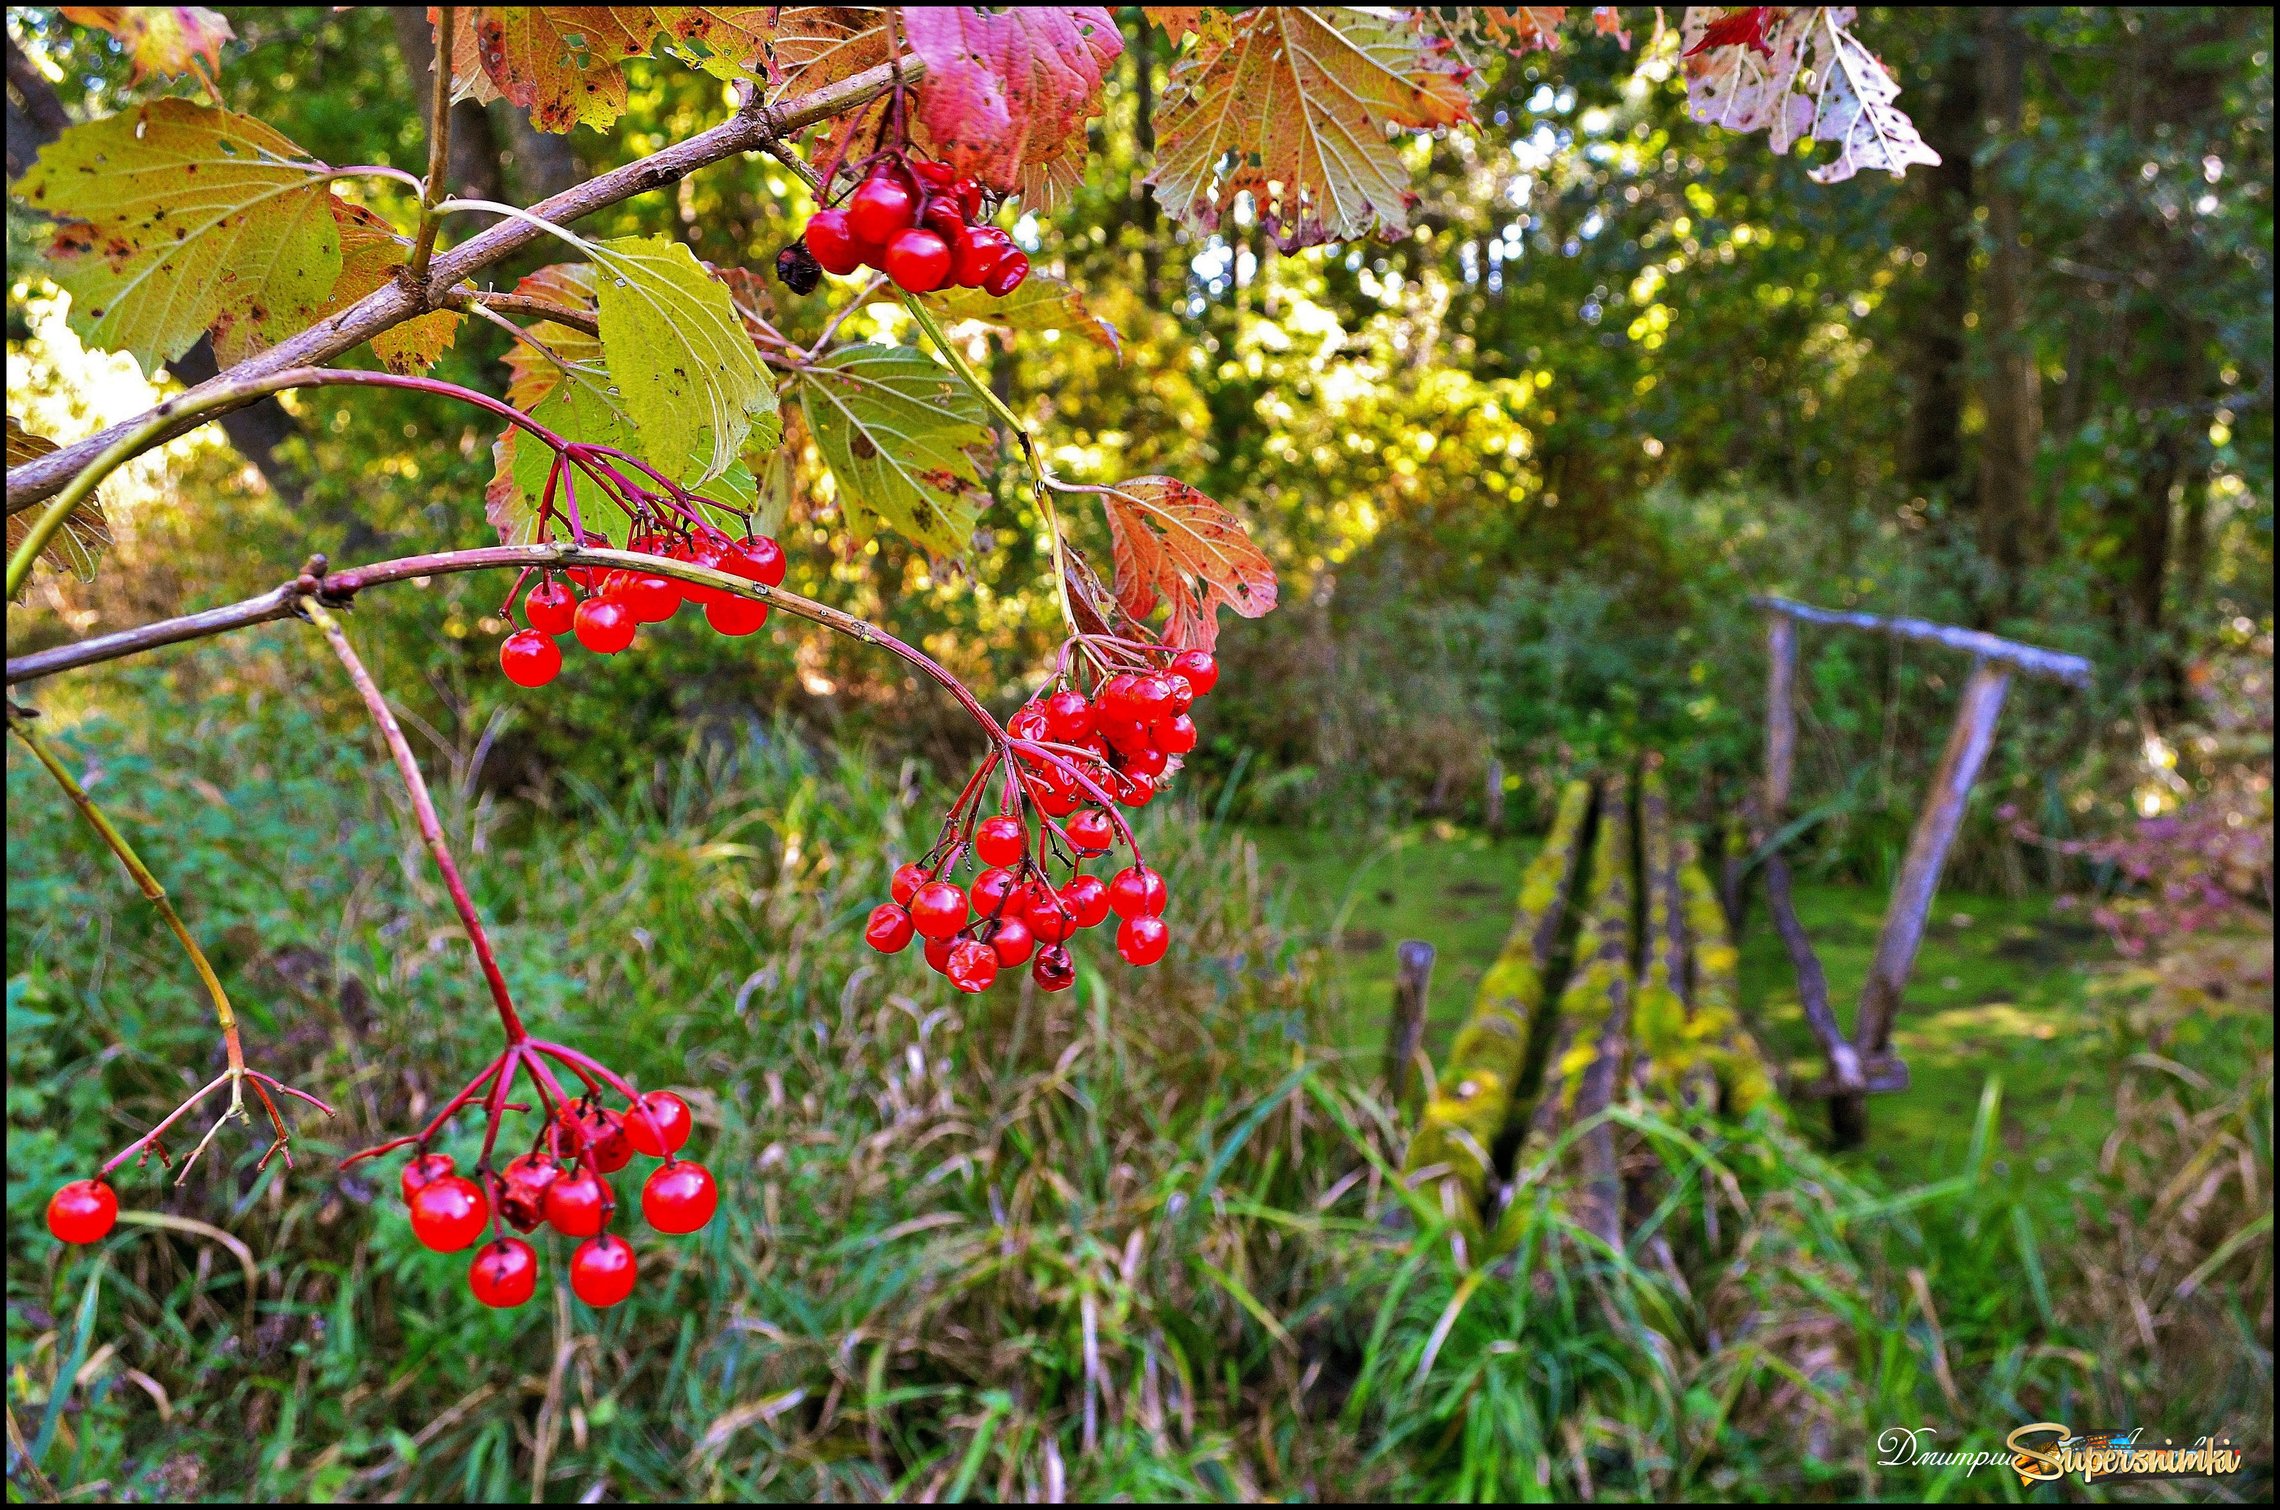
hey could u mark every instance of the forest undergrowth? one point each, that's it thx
(1144, 1239)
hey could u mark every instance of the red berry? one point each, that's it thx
(1146, 761)
(426, 1169)
(652, 599)
(975, 254)
(1029, 722)
(1151, 699)
(548, 606)
(504, 1274)
(1086, 900)
(1068, 715)
(1137, 892)
(973, 966)
(1183, 692)
(1142, 941)
(889, 930)
(942, 217)
(734, 616)
(664, 1130)
(1007, 275)
(579, 1204)
(878, 210)
(1092, 831)
(1053, 969)
(1011, 941)
(597, 1135)
(1201, 671)
(933, 174)
(449, 1213)
(1115, 700)
(990, 890)
(969, 196)
(918, 261)
(602, 1271)
(529, 658)
(701, 550)
(1128, 736)
(1001, 840)
(1134, 789)
(1049, 917)
(758, 559)
(832, 242)
(1176, 735)
(603, 625)
(938, 910)
(908, 878)
(937, 953)
(522, 1189)
(82, 1211)
(679, 1197)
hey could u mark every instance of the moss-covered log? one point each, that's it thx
(1745, 1075)
(1479, 1091)
(1671, 1060)
(1592, 1039)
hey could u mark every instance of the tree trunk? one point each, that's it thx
(1932, 448)
(2010, 529)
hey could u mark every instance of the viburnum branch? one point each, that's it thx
(21, 724)
(392, 304)
(423, 809)
(439, 151)
(536, 309)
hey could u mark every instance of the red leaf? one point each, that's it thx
(1743, 26)
(1173, 543)
(1008, 90)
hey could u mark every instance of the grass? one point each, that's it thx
(1135, 1241)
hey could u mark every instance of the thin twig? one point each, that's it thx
(439, 149)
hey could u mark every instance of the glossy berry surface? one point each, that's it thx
(1086, 900)
(1068, 715)
(735, 617)
(1142, 940)
(578, 1205)
(603, 1270)
(596, 1133)
(603, 625)
(973, 966)
(679, 1197)
(504, 1274)
(1201, 671)
(1053, 970)
(918, 260)
(1004, 278)
(449, 1213)
(549, 606)
(758, 559)
(1092, 831)
(425, 1169)
(1137, 892)
(529, 658)
(664, 1130)
(1011, 941)
(832, 242)
(1000, 840)
(652, 599)
(83, 1211)
(889, 930)
(878, 210)
(938, 910)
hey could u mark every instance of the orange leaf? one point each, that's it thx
(562, 63)
(161, 39)
(1174, 544)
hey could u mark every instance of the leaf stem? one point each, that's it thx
(423, 808)
(439, 148)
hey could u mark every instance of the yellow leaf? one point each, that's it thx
(85, 532)
(160, 39)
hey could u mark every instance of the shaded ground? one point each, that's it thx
(2001, 987)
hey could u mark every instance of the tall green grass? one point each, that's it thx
(1144, 1239)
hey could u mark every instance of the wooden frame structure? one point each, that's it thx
(1864, 1063)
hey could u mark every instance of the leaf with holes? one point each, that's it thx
(1295, 108)
(1175, 545)
(85, 533)
(370, 254)
(1749, 84)
(1854, 108)
(163, 39)
(564, 63)
(815, 45)
(183, 218)
(1012, 89)
(898, 432)
(1042, 302)
(684, 368)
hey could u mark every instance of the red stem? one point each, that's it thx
(431, 828)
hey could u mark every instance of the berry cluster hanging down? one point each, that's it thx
(614, 603)
(1075, 757)
(914, 220)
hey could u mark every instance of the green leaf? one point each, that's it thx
(1042, 302)
(177, 218)
(583, 409)
(686, 372)
(895, 428)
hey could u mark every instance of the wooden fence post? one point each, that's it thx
(1493, 799)
(1413, 980)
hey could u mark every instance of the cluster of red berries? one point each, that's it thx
(560, 1183)
(917, 222)
(616, 602)
(1120, 744)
